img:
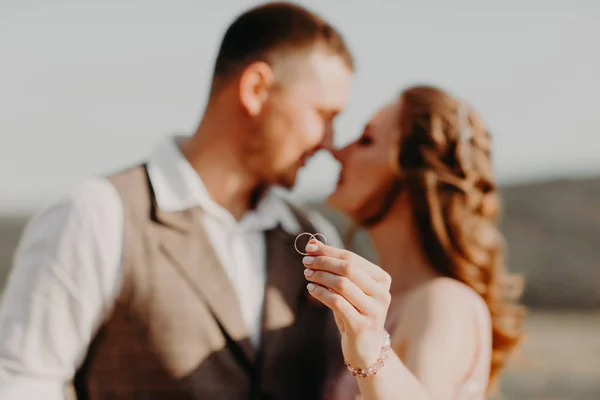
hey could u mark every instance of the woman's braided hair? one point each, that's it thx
(444, 162)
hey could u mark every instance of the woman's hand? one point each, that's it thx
(357, 291)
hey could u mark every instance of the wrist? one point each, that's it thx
(373, 366)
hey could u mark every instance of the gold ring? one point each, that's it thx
(312, 236)
(296, 242)
(323, 236)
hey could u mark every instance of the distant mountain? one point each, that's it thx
(552, 229)
(553, 233)
(10, 231)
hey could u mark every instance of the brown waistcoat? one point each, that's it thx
(176, 330)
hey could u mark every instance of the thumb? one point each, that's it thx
(340, 323)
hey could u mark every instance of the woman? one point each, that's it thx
(420, 181)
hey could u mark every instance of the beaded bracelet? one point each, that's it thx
(376, 367)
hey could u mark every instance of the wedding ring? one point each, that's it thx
(296, 242)
(312, 236)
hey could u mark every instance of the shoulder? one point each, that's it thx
(440, 327)
(92, 205)
(446, 303)
(91, 198)
(446, 293)
(78, 236)
(95, 195)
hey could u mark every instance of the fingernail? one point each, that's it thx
(311, 287)
(308, 260)
(311, 247)
(308, 272)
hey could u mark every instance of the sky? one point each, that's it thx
(90, 87)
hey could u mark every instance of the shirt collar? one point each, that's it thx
(178, 187)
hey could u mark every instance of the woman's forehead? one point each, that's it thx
(385, 120)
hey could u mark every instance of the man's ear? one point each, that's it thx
(255, 82)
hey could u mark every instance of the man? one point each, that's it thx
(178, 279)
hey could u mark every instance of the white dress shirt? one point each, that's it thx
(67, 270)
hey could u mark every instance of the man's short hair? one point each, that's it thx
(273, 27)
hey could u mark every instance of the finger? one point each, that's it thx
(343, 268)
(344, 311)
(315, 248)
(346, 288)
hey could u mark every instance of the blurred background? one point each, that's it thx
(89, 87)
